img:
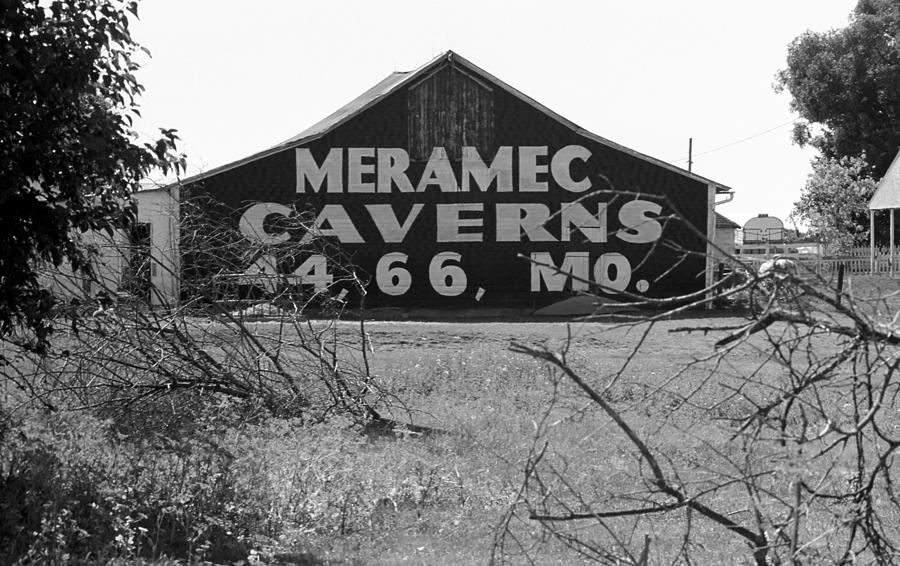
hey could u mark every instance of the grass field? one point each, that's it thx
(333, 493)
(463, 379)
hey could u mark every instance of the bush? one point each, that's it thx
(53, 508)
(73, 491)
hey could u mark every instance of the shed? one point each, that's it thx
(725, 236)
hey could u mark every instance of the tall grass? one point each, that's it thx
(214, 486)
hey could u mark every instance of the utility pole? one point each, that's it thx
(690, 153)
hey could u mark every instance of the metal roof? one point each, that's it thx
(396, 80)
(347, 111)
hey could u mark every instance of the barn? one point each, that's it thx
(444, 187)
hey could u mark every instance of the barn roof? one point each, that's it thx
(396, 80)
(887, 194)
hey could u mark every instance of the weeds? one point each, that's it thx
(76, 490)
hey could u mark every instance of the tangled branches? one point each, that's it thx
(782, 435)
(266, 342)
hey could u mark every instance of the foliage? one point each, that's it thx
(190, 434)
(147, 369)
(848, 82)
(73, 491)
(68, 156)
(834, 202)
(142, 366)
(287, 485)
(167, 383)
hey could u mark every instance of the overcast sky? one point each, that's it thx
(238, 77)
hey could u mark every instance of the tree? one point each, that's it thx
(847, 81)
(68, 157)
(780, 441)
(834, 201)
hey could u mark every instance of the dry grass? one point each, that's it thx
(329, 494)
(463, 379)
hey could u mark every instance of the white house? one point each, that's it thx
(112, 257)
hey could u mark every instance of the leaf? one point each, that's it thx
(70, 86)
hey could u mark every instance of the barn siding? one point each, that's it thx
(419, 117)
(450, 109)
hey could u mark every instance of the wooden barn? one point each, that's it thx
(444, 187)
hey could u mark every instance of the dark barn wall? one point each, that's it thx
(414, 119)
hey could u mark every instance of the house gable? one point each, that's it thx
(887, 194)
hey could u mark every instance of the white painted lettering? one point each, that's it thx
(638, 226)
(500, 170)
(612, 272)
(392, 165)
(261, 274)
(446, 278)
(393, 279)
(438, 171)
(561, 168)
(252, 223)
(449, 222)
(314, 271)
(333, 220)
(356, 169)
(515, 218)
(332, 171)
(387, 223)
(574, 215)
(575, 265)
(529, 169)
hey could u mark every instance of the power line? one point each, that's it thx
(742, 140)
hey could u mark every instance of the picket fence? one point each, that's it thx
(857, 261)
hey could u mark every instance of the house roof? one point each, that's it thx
(725, 223)
(396, 80)
(887, 194)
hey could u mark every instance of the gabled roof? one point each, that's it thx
(887, 195)
(723, 222)
(396, 80)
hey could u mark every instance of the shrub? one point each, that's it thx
(74, 491)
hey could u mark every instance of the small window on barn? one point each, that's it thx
(450, 108)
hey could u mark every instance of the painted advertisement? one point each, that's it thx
(528, 221)
(467, 200)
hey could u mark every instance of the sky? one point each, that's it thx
(235, 78)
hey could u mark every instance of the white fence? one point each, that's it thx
(859, 260)
(855, 261)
